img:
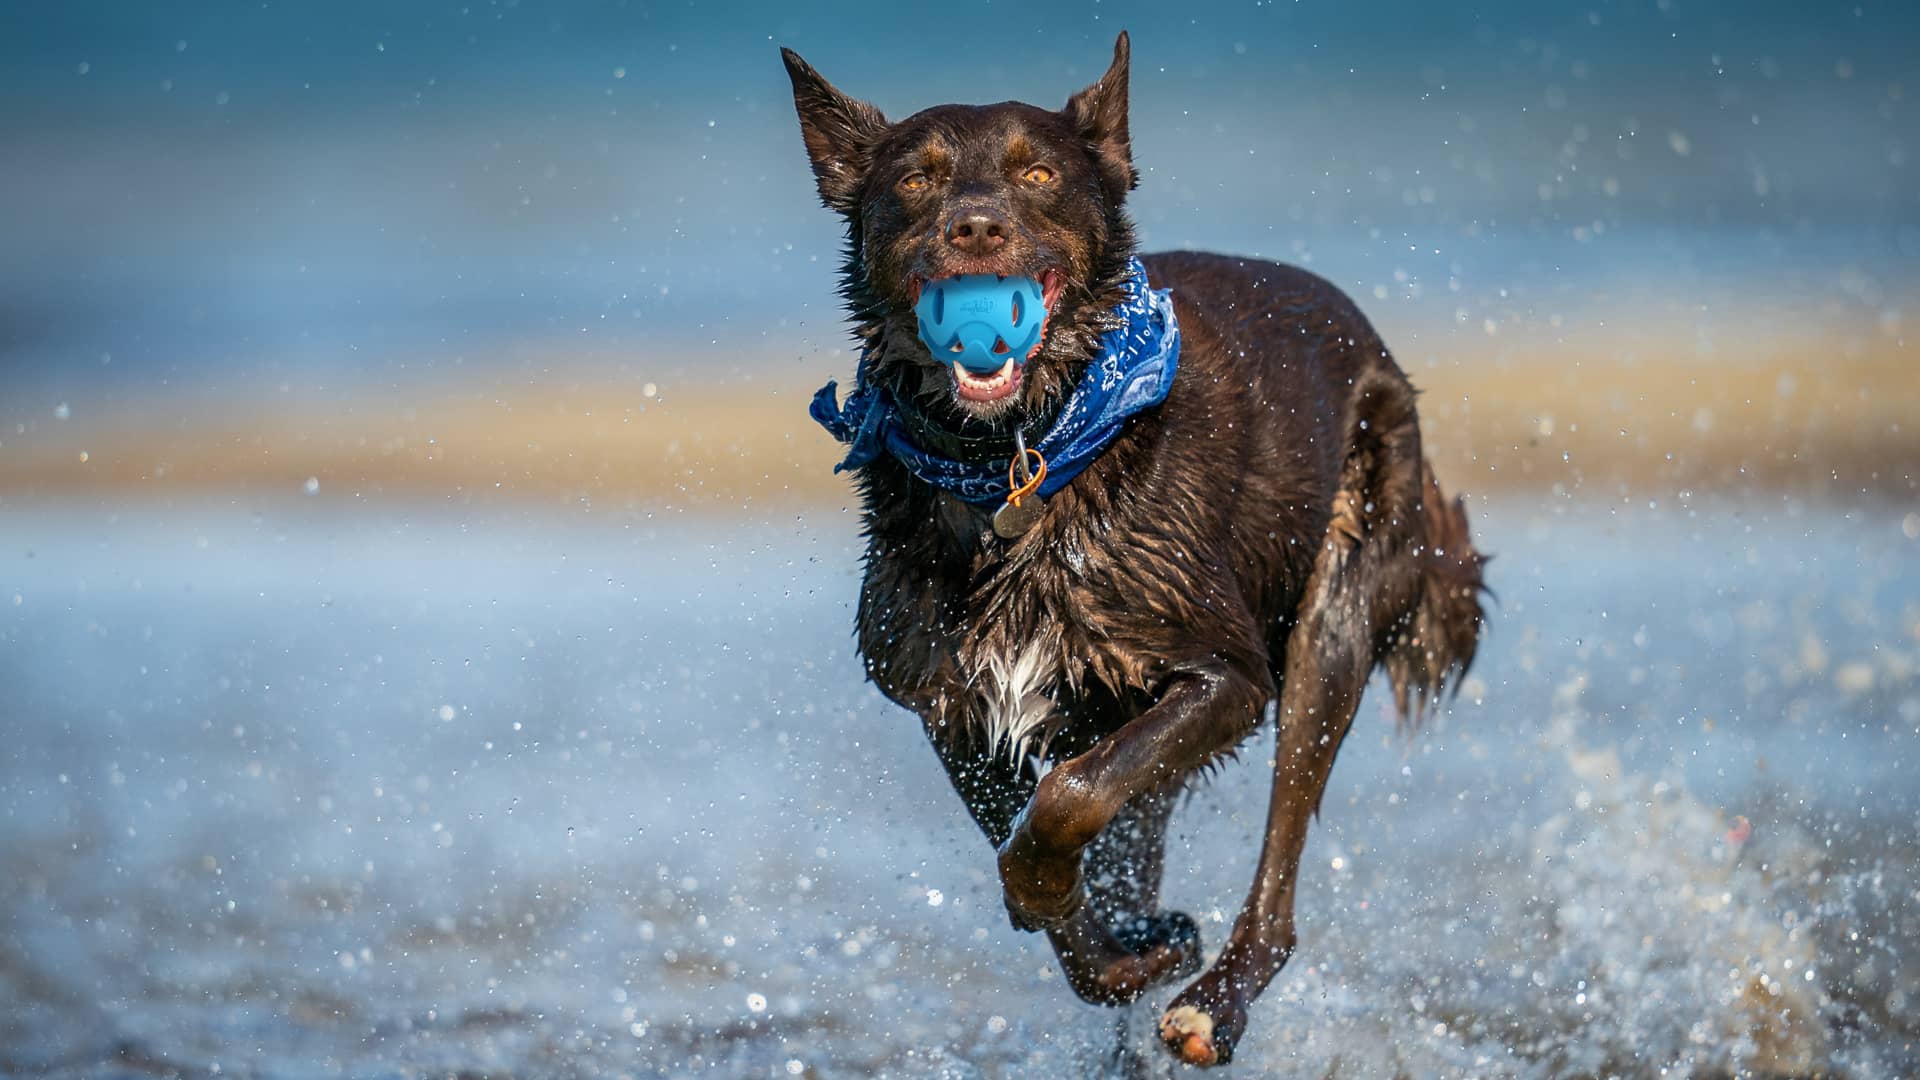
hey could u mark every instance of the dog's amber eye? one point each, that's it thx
(914, 182)
(1038, 174)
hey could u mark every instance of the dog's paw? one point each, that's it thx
(1158, 949)
(1171, 939)
(1189, 1033)
(1203, 1023)
(1042, 891)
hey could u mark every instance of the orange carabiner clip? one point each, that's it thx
(1032, 484)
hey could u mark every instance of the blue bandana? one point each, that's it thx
(1133, 372)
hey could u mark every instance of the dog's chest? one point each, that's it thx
(998, 655)
(1018, 687)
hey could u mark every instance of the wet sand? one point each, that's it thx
(1768, 402)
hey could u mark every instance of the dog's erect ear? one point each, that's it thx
(840, 132)
(1100, 114)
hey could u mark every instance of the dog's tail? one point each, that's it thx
(1434, 647)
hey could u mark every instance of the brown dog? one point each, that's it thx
(1271, 531)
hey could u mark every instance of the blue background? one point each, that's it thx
(238, 195)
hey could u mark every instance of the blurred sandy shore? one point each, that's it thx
(1813, 412)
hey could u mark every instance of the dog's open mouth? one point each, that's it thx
(993, 386)
(984, 388)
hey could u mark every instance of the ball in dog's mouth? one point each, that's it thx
(996, 385)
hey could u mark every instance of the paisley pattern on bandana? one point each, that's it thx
(1133, 373)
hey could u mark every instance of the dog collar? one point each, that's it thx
(983, 447)
(1132, 372)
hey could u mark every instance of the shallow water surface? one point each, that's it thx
(302, 790)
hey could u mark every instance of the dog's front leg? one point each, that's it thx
(992, 786)
(1202, 712)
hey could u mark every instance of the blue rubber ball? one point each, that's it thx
(981, 319)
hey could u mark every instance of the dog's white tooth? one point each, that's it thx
(958, 371)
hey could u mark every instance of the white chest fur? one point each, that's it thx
(1018, 710)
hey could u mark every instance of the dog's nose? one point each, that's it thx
(978, 231)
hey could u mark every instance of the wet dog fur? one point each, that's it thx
(1268, 536)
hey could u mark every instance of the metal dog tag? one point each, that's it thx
(1011, 522)
(1013, 519)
